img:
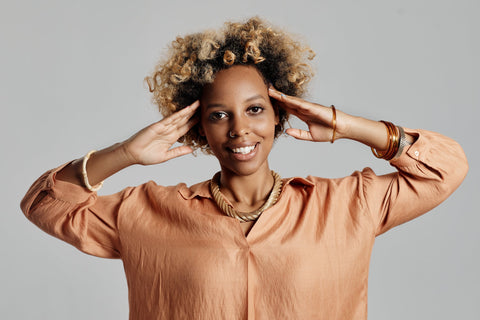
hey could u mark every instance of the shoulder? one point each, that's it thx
(314, 181)
(346, 189)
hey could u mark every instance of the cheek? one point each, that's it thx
(214, 135)
(268, 126)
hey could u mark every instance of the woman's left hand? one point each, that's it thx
(318, 118)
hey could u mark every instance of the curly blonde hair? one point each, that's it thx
(194, 60)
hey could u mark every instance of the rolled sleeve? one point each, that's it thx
(428, 172)
(74, 214)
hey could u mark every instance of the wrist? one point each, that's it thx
(124, 155)
(343, 125)
(369, 132)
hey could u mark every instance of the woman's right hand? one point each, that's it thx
(150, 145)
(153, 144)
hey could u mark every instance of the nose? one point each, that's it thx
(240, 126)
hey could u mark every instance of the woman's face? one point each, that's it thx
(238, 120)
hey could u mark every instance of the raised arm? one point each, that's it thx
(429, 170)
(320, 120)
(151, 145)
(60, 204)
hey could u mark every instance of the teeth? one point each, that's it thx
(244, 150)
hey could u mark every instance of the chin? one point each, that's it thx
(244, 169)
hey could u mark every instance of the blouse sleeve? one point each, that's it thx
(74, 214)
(428, 172)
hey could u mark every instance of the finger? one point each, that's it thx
(302, 107)
(277, 95)
(293, 110)
(299, 134)
(280, 96)
(187, 126)
(305, 116)
(293, 104)
(305, 110)
(191, 109)
(179, 118)
(182, 115)
(178, 152)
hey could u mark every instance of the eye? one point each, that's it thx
(217, 115)
(255, 109)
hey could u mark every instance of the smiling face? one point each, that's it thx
(238, 120)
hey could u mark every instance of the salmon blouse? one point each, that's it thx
(307, 257)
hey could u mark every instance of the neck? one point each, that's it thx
(249, 192)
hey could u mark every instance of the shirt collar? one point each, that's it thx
(202, 189)
(298, 181)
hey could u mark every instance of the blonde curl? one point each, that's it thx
(229, 58)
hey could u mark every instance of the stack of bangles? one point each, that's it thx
(396, 142)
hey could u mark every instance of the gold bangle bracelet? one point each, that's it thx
(334, 123)
(393, 142)
(378, 154)
(392, 137)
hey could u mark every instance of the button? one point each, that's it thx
(417, 153)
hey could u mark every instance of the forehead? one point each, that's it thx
(236, 82)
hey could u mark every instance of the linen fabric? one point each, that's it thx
(307, 257)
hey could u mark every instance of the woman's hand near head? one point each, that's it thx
(151, 145)
(319, 120)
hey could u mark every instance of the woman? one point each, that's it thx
(245, 244)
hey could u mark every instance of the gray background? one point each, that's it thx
(71, 80)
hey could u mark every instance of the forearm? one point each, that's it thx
(372, 133)
(101, 165)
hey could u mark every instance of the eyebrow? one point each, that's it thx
(255, 97)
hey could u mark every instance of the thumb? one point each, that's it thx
(299, 134)
(178, 152)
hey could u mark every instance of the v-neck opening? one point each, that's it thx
(251, 225)
(248, 235)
